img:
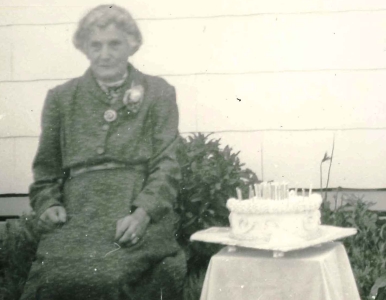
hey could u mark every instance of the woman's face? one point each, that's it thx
(108, 50)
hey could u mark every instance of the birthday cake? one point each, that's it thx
(273, 214)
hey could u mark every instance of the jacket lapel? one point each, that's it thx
(135, 78)
(88, 85)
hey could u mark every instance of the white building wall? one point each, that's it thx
(305, 71)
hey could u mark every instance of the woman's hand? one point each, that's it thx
(132, 227)
(53, 216)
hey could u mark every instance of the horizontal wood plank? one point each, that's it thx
(359, 159)
(59, 11)
(253, 44)
(286, 101)
(321, 100)
(248, 145)
(296, 157)
(7, 166)
(15, 164)
(14, 206)
(21, 107)
(22, 103)
(292, 156)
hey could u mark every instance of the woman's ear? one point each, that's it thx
(133, 43)
(85, 51)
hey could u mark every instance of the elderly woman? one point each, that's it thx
(106, 175)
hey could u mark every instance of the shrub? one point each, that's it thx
(210, 175)
(17, 252)
(366, 249)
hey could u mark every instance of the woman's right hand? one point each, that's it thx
(52, 217)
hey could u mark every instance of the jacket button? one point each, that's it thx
(100, 150)
(110, 115)
(105, 127)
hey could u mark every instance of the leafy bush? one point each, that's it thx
(366, 249)
(210, 175)
(17, 252)
(193, 283)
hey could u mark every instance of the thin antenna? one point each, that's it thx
(329, 168)
(262, 157)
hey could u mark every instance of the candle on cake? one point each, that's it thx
(239, 194)
(251, 192)
(257, 191)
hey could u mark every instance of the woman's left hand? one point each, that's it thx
(132, 227)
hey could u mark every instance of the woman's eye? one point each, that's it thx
(115, 43)
(95, 46)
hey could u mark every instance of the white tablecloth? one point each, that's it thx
(317, 273)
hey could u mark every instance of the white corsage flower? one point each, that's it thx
(133, 98)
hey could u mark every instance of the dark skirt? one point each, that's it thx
(80, 260)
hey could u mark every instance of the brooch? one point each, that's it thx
(110, 115)
(133, 98)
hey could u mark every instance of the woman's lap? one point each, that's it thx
(81, 259)
(164, 281)
(57, 277)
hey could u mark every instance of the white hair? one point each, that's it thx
(102, 16)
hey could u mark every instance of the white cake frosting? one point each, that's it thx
(290, 220)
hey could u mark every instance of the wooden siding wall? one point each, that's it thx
(305, 71)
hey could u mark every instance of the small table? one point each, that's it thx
(316, 273)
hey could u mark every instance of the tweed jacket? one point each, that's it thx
(144, 139)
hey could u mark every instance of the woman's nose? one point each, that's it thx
(105, 52)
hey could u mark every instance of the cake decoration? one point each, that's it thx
(272, 210)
